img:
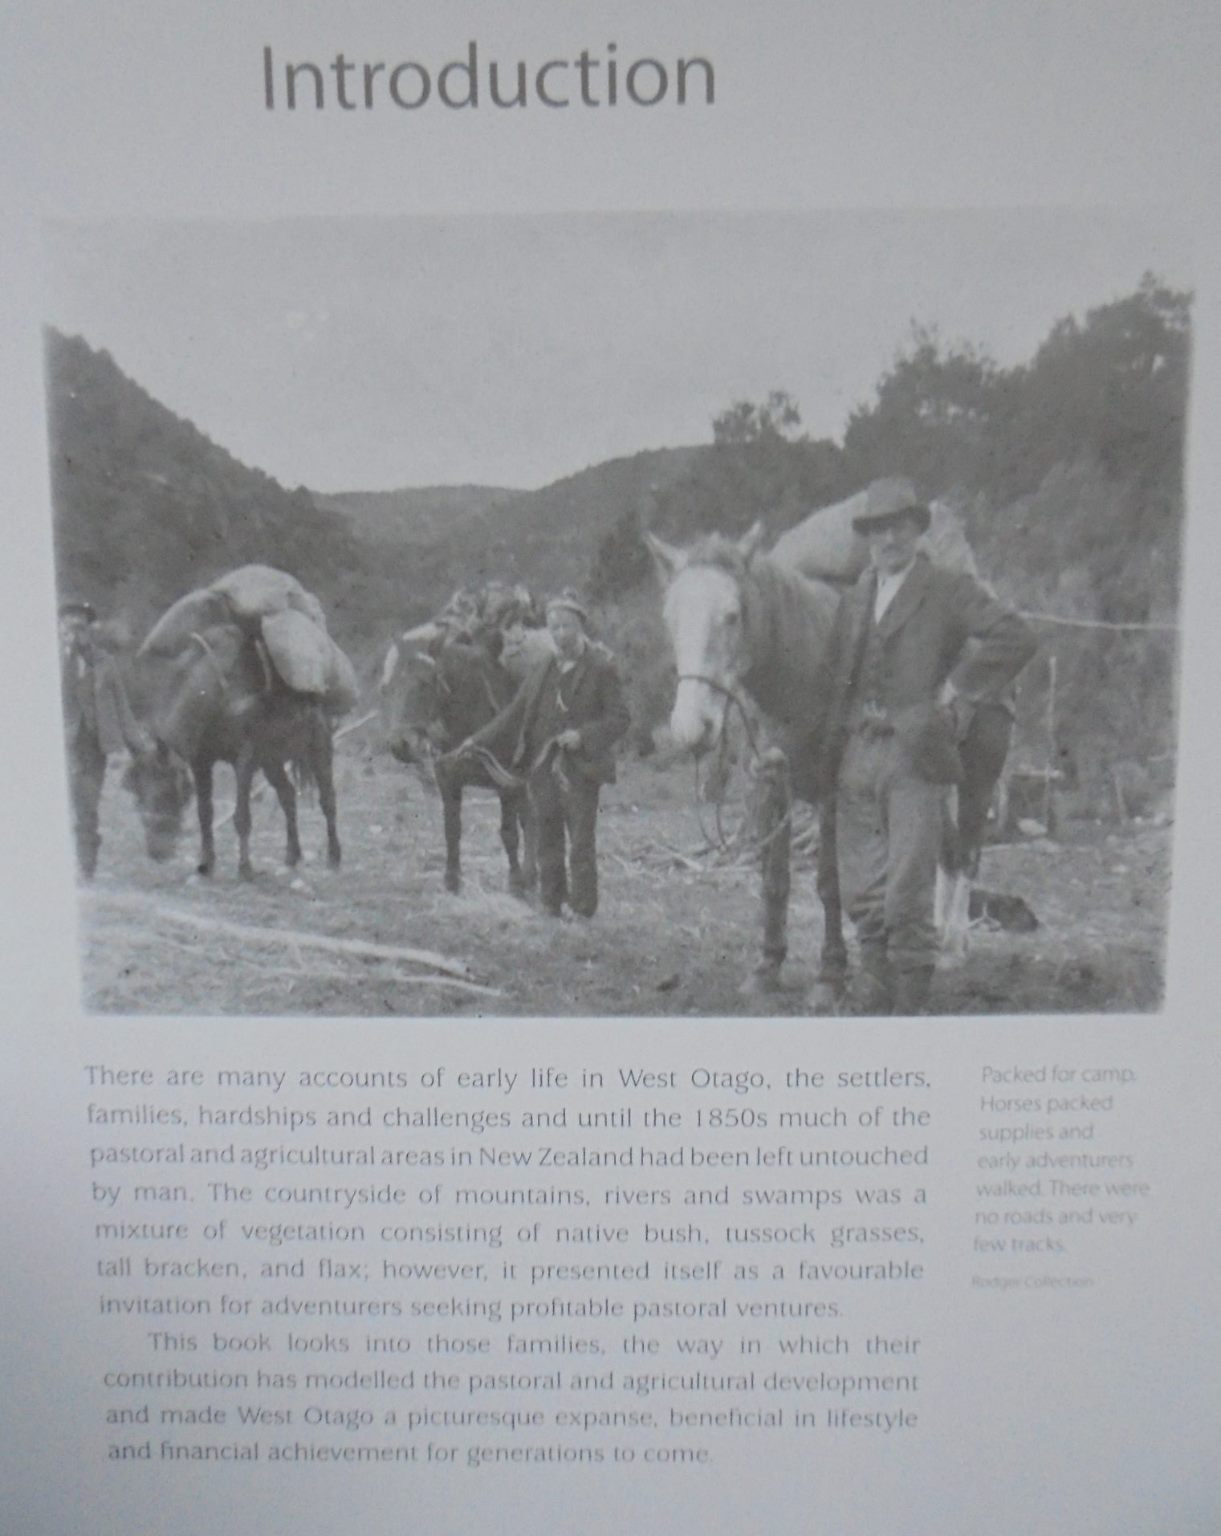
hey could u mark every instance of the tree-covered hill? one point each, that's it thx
(1067, 469)
(146, 506)
(466, 535)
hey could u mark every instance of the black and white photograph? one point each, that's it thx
(766, 614)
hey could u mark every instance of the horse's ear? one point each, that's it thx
(668, 560)
(751, 540)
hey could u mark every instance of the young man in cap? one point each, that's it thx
(916, 649)
(560, 729)
(98, 720)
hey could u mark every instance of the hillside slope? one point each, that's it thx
(145, 507)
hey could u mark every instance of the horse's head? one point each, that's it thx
(705, 613)
(161, 784)
(413, 702)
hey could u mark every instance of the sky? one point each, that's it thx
(370, 354)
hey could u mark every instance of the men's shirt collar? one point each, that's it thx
(888, 588)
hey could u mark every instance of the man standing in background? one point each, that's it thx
(98, 720)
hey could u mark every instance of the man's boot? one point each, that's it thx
(871, 992)
(912, 991)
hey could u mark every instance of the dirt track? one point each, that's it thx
(669, 939)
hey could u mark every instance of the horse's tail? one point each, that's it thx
(304, 774)
(313, 754)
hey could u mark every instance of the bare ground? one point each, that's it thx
(669, 938)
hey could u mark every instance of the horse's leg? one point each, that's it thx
(510, 840)
(243, 771)
(984, 749)
(87, 769)
(772, 821)
(202, 772)
(277, 777)
(529, 866)
(831, 983)
(952, 895)
(324, 773)
(451, 810)
(974, 799)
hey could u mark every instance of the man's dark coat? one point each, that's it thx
(940, 626)
(595, 708)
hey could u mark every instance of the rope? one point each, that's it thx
(737, 843)
(1055, 618)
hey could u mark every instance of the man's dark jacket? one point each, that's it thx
(940, 626)
(595, 708)
(95, 701)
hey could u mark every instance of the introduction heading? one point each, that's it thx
(586, 81)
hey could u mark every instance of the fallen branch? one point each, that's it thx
(682, 858)
(299, 972)
(360, 948)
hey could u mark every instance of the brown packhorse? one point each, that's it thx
(432, 701)
(221, 701)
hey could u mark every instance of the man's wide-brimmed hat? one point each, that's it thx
(890, 501)
(568, 599)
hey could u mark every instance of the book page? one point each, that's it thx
(610, 872)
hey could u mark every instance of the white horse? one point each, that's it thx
(744, 625)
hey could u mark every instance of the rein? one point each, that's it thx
(736, 843)
(731, 697)
(495, 769)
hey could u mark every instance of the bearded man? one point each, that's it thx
(916, 650)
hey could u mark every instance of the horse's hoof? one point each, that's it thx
(245, 872)
(334, 858)
(763, 981)
(204, 869)
(953, 956)
(826, 1000)
(453, 883)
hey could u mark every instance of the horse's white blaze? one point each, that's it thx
(703, 615)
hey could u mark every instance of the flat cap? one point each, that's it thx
(568, 599)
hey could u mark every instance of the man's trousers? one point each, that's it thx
(86, 773)
(890, 829)
(565, 806)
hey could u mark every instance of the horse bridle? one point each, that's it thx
(732, 698)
